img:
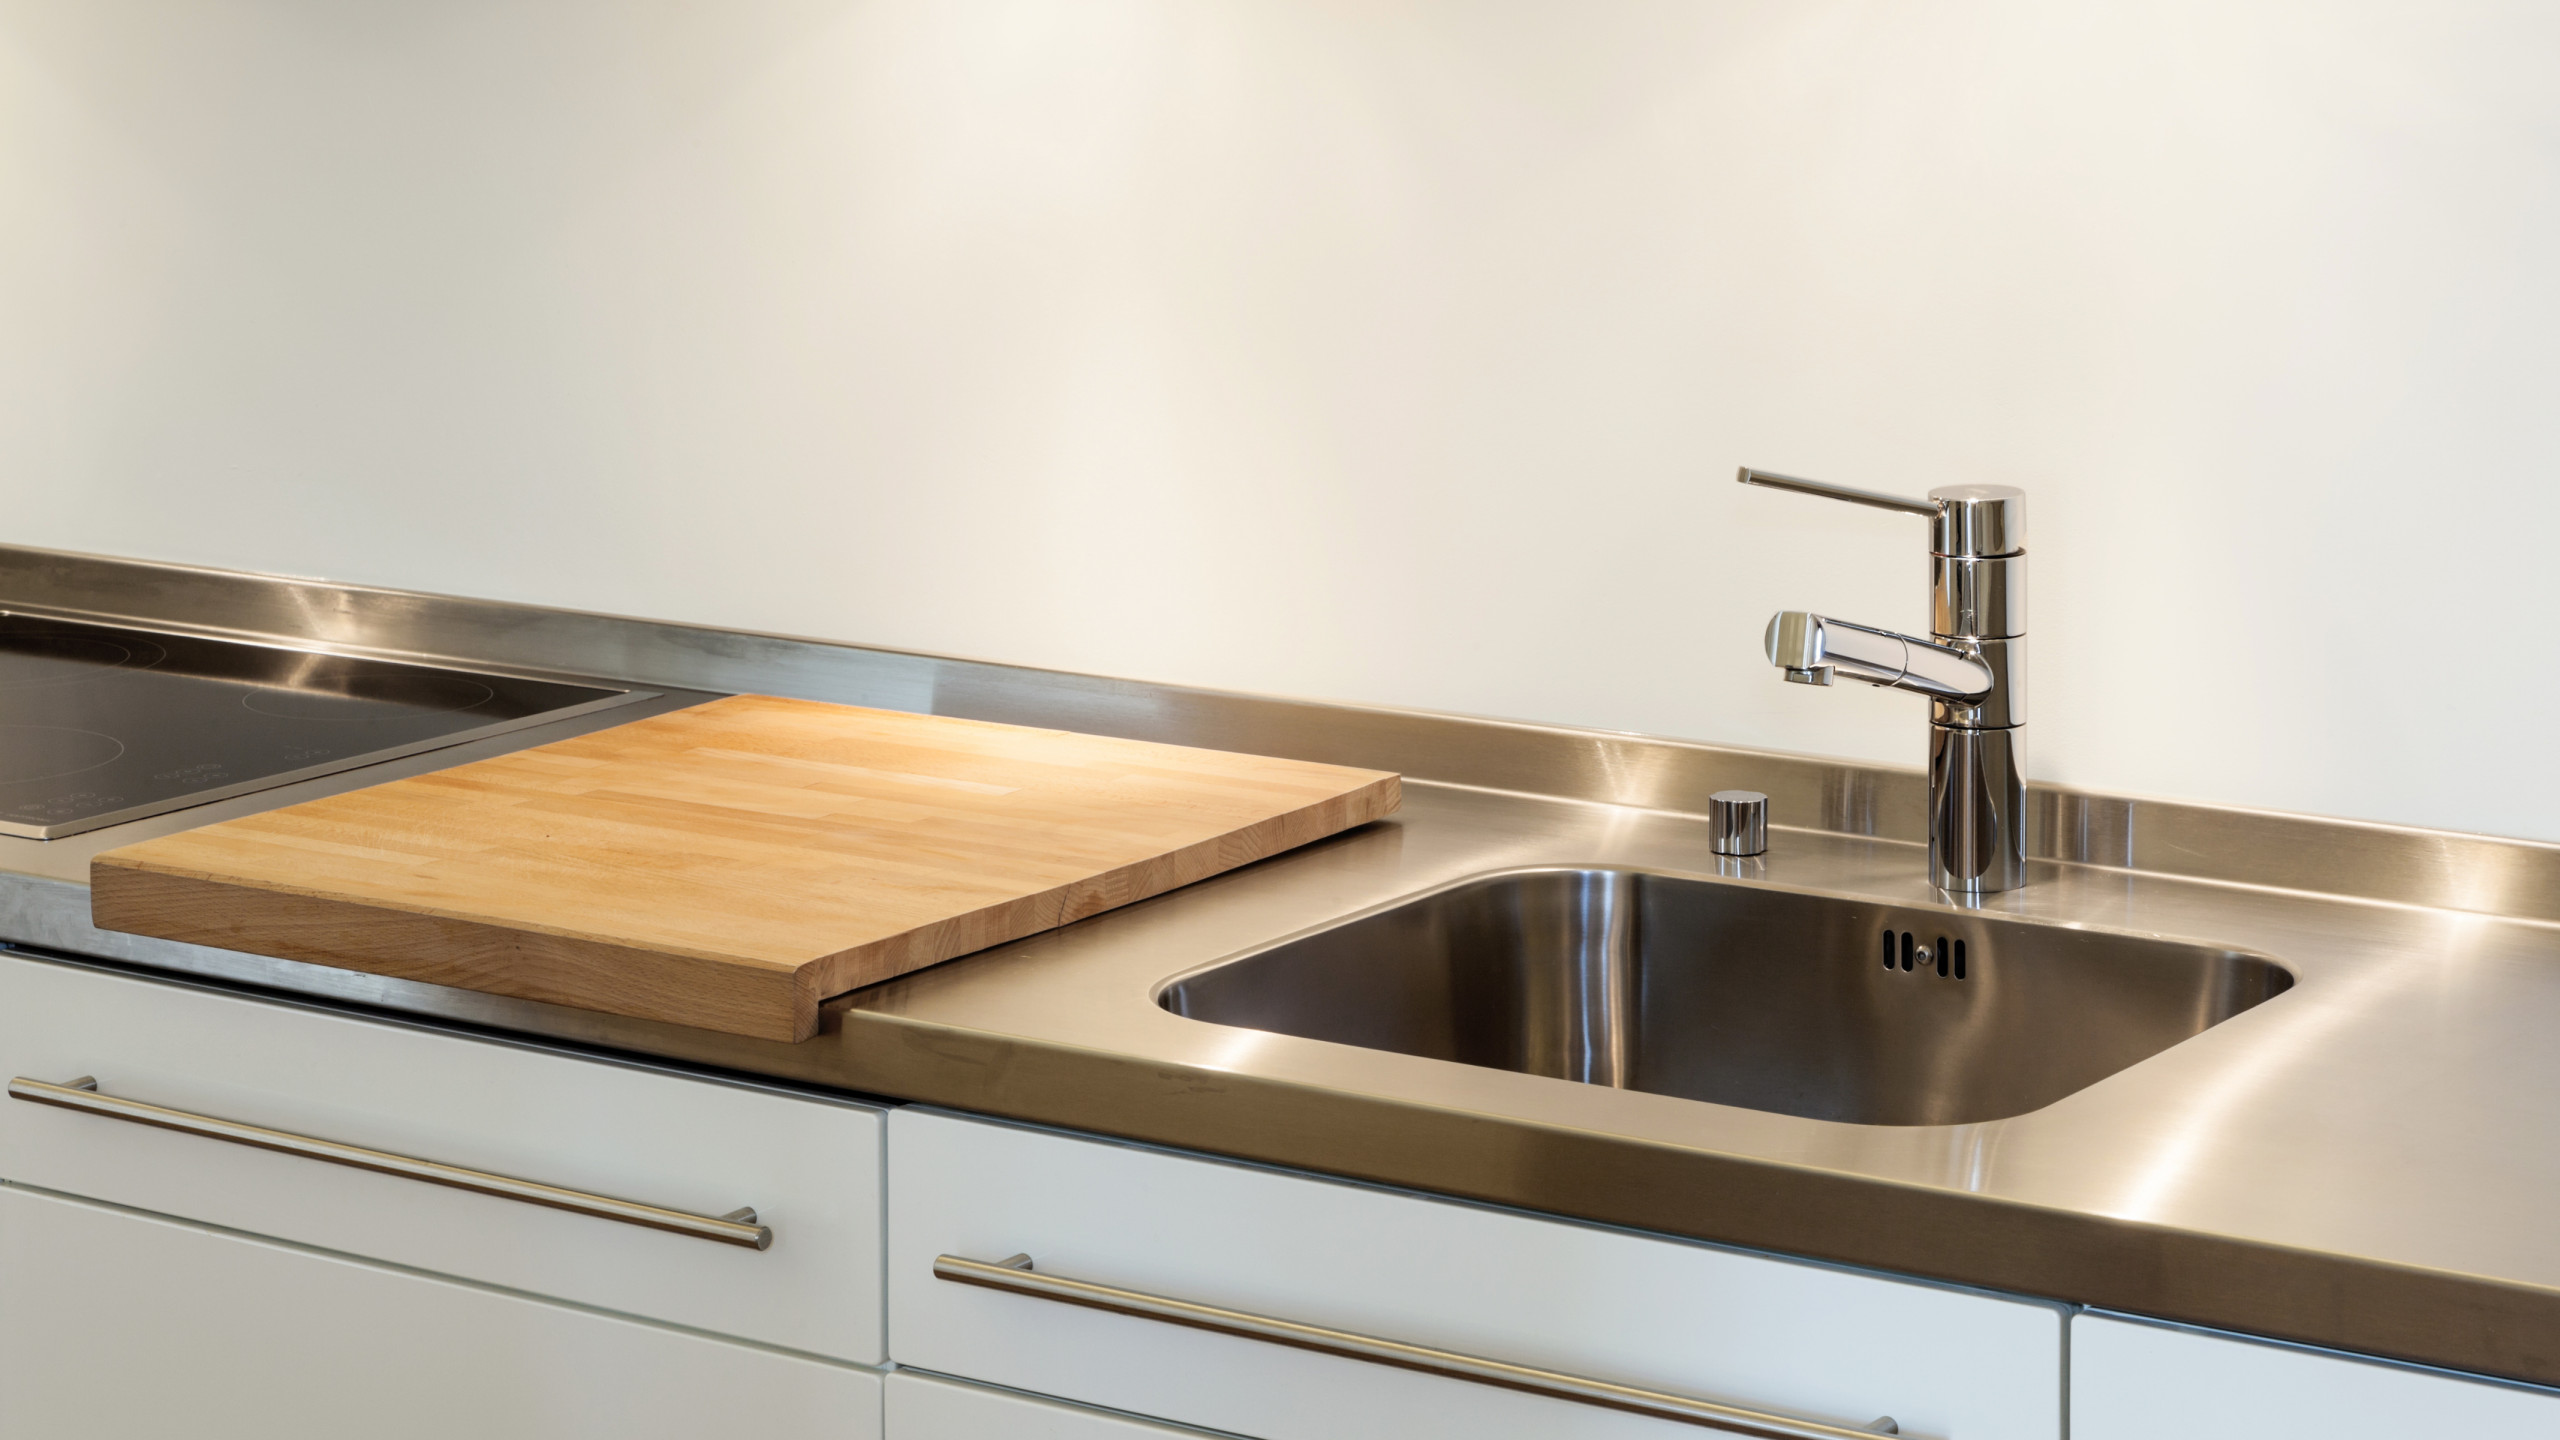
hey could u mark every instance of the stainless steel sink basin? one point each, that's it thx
(1741, 994)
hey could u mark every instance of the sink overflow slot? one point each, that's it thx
(1903, 951)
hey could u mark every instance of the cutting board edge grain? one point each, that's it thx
(199, 888)
(648, 984)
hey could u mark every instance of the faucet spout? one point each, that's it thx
(1810, 648)
(1972, 668)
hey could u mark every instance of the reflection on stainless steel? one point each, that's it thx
(1738, 822)
(1975, 780)
(1745, 995)
(2002, 705)
(1973, 671)
(2182, 1156)
(1015, 1275)
(1978, 594)
(2363, 1163)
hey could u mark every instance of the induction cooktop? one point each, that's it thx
(100, 724)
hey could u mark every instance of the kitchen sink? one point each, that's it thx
(1738, 993)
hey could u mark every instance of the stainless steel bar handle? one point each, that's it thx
(1829, 491)
(738, 1227)
(1016, 1276)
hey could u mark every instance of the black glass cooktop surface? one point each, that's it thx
(101, 724)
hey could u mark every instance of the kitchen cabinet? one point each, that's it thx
(122, 1326)
(922, 1407)
(155, 1282)
(1745, 1330)
(2133, 1380)
(808, 1165)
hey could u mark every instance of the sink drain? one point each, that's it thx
(1903, 951)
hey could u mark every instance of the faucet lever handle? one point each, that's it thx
(1828, 491)
(1970, 522)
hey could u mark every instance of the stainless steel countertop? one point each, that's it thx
(2362, 1162)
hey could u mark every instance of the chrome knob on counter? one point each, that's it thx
(1738, 822)
(1972, 666)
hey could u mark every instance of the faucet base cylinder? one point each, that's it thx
(1977, 809)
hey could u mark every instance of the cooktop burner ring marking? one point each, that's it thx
(18, 746)
(67, 658)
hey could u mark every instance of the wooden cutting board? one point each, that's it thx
(730, 865)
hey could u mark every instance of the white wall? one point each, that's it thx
(1392, 350)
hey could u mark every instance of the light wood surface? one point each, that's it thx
(730, 865)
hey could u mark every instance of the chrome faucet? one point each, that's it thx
(1972, 668)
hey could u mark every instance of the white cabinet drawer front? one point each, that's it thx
(2133, 1381)
(1741, 1330)
(921, 1408)
(810, 1168)
(120, 1327)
